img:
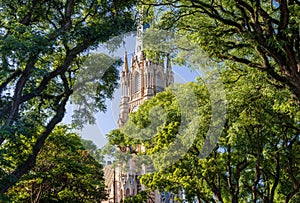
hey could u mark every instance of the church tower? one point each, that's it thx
(143, 79)
(140, 80)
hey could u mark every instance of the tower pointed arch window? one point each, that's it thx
(137, 82)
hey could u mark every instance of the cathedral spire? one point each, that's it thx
(125, 68)
(140, 29)
(124, 107)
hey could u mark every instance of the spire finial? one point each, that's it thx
(140, 28)
(125, 68)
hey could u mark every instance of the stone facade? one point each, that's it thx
(140, 81)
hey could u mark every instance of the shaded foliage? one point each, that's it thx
(260, 34)
(43, 45)
(256, 158)
(64, 172)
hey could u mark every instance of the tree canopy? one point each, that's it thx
(256, 158)
(260, 34)
(43, 46)
(65, 171)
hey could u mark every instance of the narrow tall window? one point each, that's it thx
(137, 82)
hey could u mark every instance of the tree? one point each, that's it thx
(93, 150)
(260, 34)
(256, 158)
(64, 172)
(43, 47)
(141, 197)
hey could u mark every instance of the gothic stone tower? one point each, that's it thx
(142, 81)
(139, 82)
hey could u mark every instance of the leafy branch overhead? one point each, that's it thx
(259, 34)
(65, 171)
(44, 45)
(255, 159)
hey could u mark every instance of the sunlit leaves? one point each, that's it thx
(260, 139)
(65, 171)
(43, 45)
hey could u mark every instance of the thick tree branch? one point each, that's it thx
(284, 15)
(257, 171)
(23, 98)
(240, 167)
(276, 178)
(290, 171)
(20, 86)
(9, 180)
(13, 76)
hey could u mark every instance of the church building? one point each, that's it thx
(140, 80)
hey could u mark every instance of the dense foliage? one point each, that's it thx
(43, 45)
(256, 158)
(65, 171)
(256, 46)
(260, 34)
(141, 197)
